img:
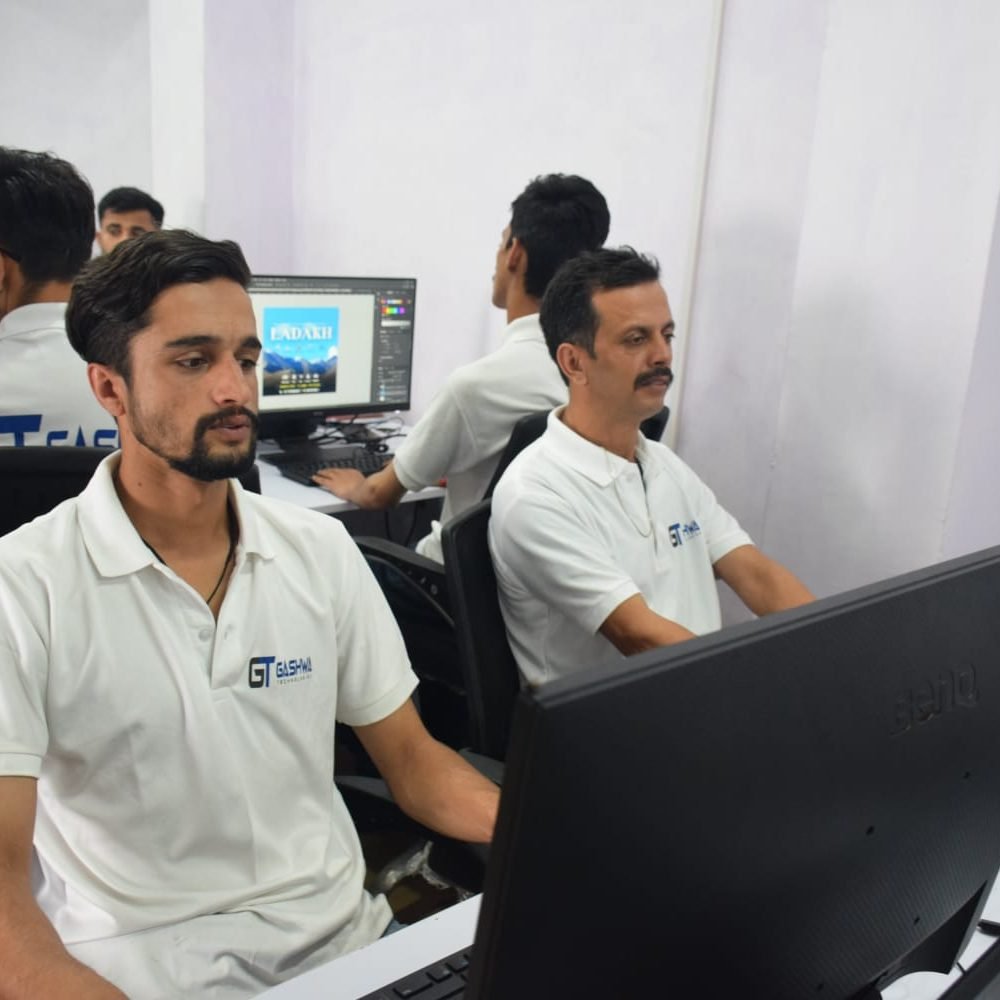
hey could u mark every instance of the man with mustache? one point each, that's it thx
(174, 655)
(606, 543)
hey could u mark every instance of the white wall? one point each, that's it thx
(417, 125)
(840, 350)
(75, 80)
(250, 129)
(973, 512)
(841, 359)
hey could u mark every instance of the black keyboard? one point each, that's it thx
(442, 980)
(302, 466)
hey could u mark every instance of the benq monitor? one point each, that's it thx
(332, 347)
(804, 806)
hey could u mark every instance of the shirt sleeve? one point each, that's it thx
(436, 445)
(23, 681)
(721, 530)
(544, 551)
(373, 670)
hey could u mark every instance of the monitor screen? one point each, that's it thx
(807, 805)
(331, 347)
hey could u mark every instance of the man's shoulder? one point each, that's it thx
(293, 526)
(40, 319)
(537, 471)
(41, 547)
(514, 361)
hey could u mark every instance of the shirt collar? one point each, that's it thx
(115, 545)
(598, 464)
(33, 317)
(524, 328)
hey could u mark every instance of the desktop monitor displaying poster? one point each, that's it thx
(331, 347)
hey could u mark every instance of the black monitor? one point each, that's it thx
(804, 806)
(333, 347)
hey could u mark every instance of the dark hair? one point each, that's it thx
(111, 300)
(46, 215)
(556, 217)
(568, 314)
(130, 199)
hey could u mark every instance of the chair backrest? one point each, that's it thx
(530, 427)
(37, 478)
(653, 427)
(490, 671)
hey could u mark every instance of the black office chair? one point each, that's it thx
(528, 429)
(425, 600)
(491, 677)
(37, 478)
(653, 427)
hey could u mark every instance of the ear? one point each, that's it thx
(108, 387)
(570, 357)
(517, 256)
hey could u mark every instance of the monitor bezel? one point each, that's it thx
(297, 423)
(531, 719)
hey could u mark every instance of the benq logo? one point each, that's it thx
(953, 689)
(265, 669)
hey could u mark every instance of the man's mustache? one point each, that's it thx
(654, 374)
(211, 419)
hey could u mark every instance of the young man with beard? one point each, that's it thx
(606, 543)
(175, 654)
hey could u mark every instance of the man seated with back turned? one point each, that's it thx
(606, 543)
(174, 654)
(464, 430)
(124, 213)
(46, 232)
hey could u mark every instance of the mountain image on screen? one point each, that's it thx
(301, 350)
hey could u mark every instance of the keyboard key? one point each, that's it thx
(441, 980)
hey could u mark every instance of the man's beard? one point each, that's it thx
(199, 463)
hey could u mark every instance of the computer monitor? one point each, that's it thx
(807, 805)
(332, 347)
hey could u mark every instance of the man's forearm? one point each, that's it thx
(633, 627)
(447, 794)
(775, 590)
(33, 961)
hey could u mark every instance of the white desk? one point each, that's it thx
(274, 484)
(386, 960)
(393, 957)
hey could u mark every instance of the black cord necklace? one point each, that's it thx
(234, 535)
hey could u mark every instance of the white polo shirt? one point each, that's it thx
(189, 837)
(45, 397)
(469, 422)
(576, 530)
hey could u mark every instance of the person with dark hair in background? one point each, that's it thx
(176, 653)
(464, 430)
(126, 212)
(605, 543)
(46, 232)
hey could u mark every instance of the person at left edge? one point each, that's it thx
(175, 654)
(46, 231)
